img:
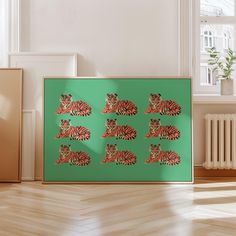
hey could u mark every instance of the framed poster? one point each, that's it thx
(117, 130)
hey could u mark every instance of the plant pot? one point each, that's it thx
(226, 87)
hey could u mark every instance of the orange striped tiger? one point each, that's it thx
(75, 108)
(120, 107)
(164, 107)
(73, 158)
(164, 157)
(119, 157)
(72, 132)
(119, 131)
(164, 132)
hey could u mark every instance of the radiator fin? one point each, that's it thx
(220, 141)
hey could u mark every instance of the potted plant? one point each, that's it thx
(224, 67)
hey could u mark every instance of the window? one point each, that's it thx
(227, 38)
(207, 75)
(215, 23)
(208, 39)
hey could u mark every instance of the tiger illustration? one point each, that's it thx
(125, 132)
(164, 107)
(120, 107)
(164, 132)
(72, 132)
(75, 108)
(164, 157)
(73, 158)
(119, 157)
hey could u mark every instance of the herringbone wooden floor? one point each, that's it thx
(205, 208)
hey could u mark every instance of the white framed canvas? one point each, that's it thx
(36, 66)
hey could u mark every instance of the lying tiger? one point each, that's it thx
(119, 157)
(163, 157)
(120, 107)
(73, 158)
(164, 132)
(164, 107)
(75, 108)
(124, 132)
(73, 132)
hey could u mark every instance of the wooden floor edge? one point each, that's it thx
(202, 172)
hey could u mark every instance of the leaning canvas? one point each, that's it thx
(131, 130)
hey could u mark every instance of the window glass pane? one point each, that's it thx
(222, 38)
(217, 8)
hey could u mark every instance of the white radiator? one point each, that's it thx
(28, 145)
(220, 141)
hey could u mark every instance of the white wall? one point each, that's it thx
(113, 37)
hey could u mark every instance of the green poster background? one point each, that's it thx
(93, 91)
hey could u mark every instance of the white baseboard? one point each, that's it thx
(31, 179)
(27, 179)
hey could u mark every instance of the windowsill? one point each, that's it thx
(213, 99)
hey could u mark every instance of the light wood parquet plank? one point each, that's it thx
(205, 208)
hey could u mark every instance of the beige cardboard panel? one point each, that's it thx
(10, 124)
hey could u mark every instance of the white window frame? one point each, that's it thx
(197, 21)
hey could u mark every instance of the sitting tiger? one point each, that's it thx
(164, 157)
(75, 108)
(125, 132)
(119, 157)
(120, 107)
(164, 107)
(73, 158)
(164, 132)
(72, 132)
